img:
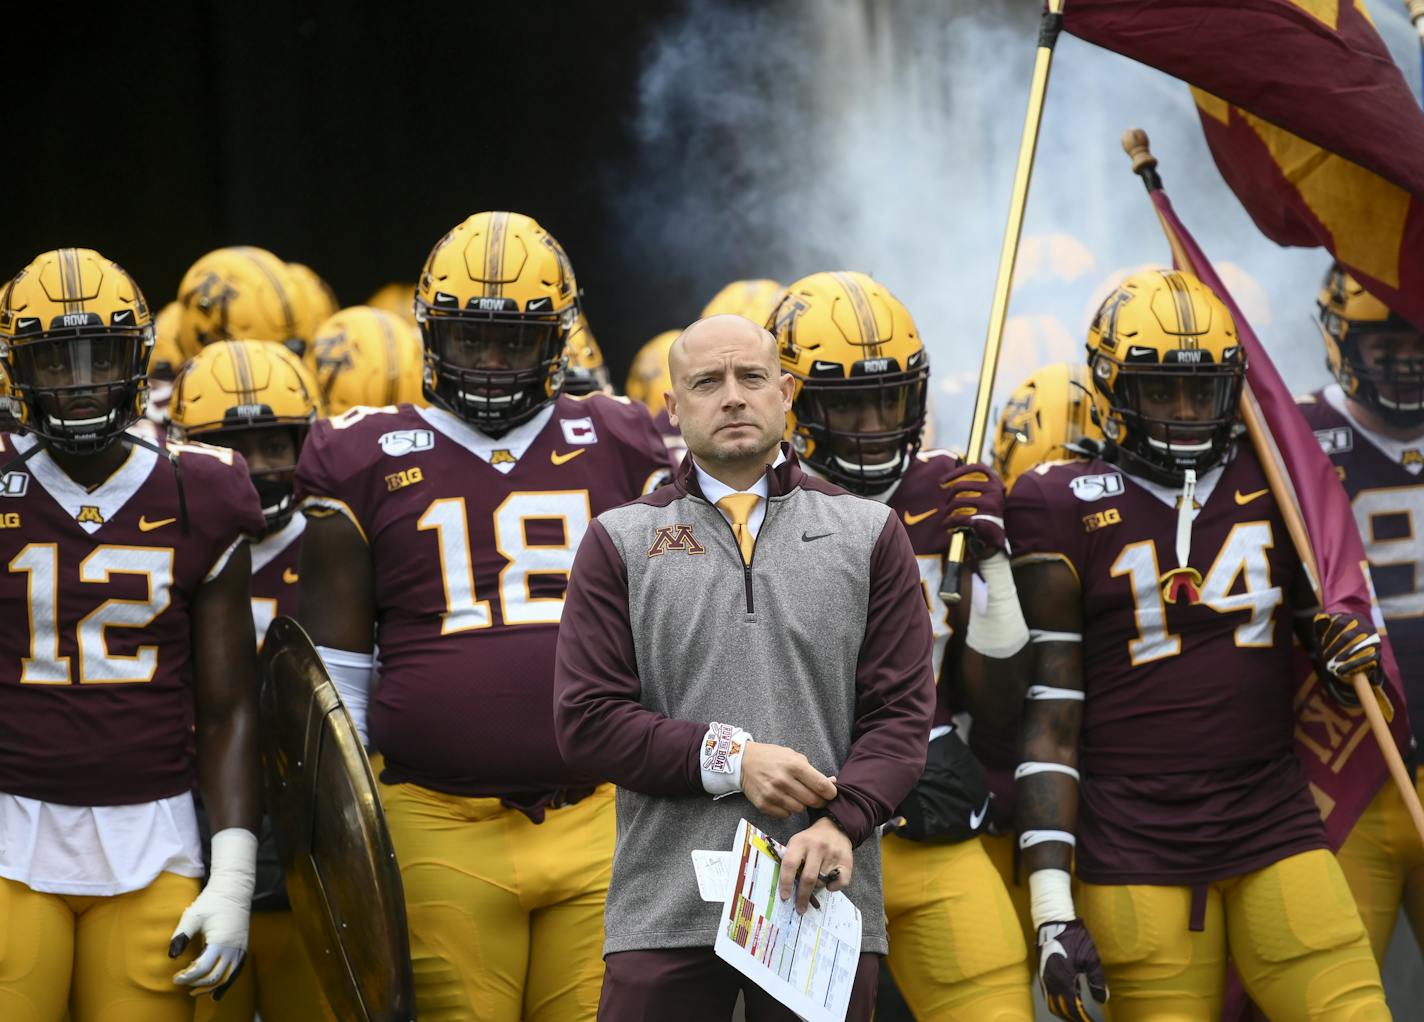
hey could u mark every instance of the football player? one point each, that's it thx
(258, 399)
(396, 298)
(317, 300)
(240, 293)
(751, 299)
(127, 673)
(366, 356)
(861, 375)
(586, 372)
(648, 384)
(446, 534)
(1051, 415)
(1371, 424)
(1160, 586)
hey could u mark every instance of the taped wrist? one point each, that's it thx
(351, 674)
(234, 864)
(722, 749)
(998, 629)
(1050, 897)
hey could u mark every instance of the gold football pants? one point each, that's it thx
(277, 980)
(1383, 861)
(956, 950)
(104, 959)
(1291, 929)
(1000, 849)
(506, 916)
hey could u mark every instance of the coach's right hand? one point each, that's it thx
(781, 782)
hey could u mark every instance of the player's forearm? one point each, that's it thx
(336, 603)
(228, 776)
(991, 689)
(1046, 779)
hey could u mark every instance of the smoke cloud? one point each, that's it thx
(786, 137)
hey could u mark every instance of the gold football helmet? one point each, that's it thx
(75, 334)
(365, 356)
(255, 396)
(1045, 418)
(167, 357)
(317, 300)
(240, 292)
(858, 410)
(648, 377)
(751, 299)
(396, 297)
(586, 372)
(1164, 353)
(496, 303)
(1375, 354)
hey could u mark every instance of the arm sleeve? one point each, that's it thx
(319, 475)
(599, 723)
(1035, 531)
(895, 692)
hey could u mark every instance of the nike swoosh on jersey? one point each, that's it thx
(144, 525)
(806, 537)
(977, 817)
(559, 459)
(914, 519)
(1246, 498)
(289, 576)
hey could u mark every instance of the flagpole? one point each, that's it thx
(1144, 164)
(1049, 27)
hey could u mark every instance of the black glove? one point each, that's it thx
(1066, 952)
(950, 801)
(975, 500)
(1345, 648)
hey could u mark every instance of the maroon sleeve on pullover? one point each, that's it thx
(599, 724)
(894, 692)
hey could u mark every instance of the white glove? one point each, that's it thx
(221, 914)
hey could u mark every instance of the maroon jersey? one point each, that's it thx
(472, 540)
(1383, 478)
(274, 575)
(1189, 772)
(96, 700)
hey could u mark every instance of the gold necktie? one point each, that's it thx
(739, 507)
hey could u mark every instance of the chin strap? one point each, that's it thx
(1186, 511)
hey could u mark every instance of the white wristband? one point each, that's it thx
(234, 862)
(721, 758)
(1050, 897)
(351, 674)
(998, 630)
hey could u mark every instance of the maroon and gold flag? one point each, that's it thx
(1342, 762)
(1309, 120)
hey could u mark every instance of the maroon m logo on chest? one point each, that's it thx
(675, 537)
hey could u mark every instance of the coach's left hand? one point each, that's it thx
(814, 853)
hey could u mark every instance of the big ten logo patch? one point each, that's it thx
(10, 520)
(1101, 519)
(675, 537)
(400, 480)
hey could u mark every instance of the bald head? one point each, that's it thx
(720, 333)
(729, 396)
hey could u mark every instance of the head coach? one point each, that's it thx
(747, 631)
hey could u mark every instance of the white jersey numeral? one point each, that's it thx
(517, 606)
(457, 569)
(1402, 546)
(97, 666)
(1239, 580)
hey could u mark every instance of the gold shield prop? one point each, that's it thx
(341, 871)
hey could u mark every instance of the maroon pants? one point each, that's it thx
(694, 985)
